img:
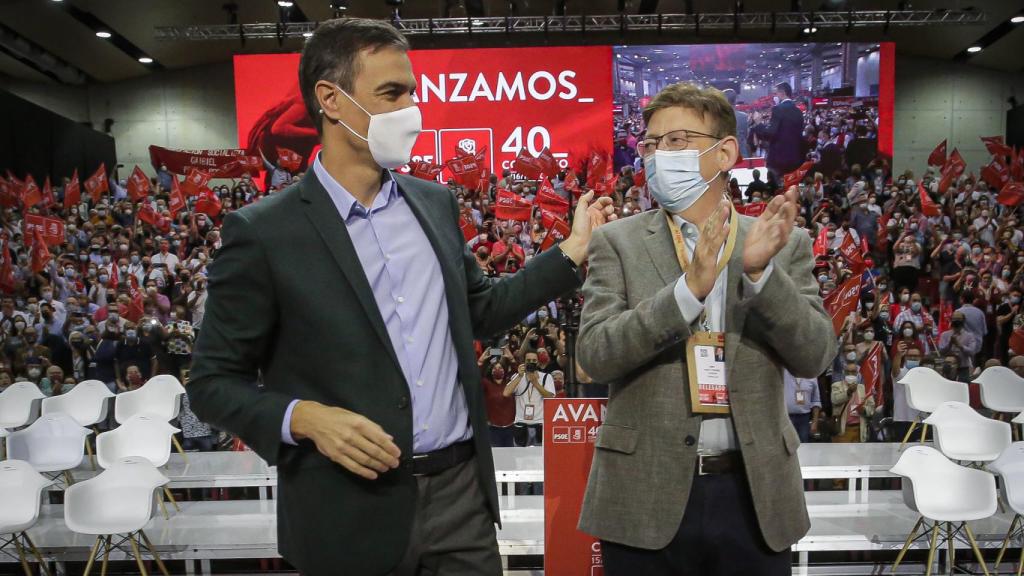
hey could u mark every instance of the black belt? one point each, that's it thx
(438, 461)
(725, 463)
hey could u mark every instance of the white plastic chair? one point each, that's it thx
(54, 443)
(159, 397)
(963, 434)
(944, 493)
(141, 436)
(19, 404)
(88, 403)
(119, 501)
(21, 489)
(1010, 467)
(926, 390)
(1002, 390)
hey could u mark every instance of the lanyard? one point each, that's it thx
(723, 261)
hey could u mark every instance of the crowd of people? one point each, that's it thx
(940, 291)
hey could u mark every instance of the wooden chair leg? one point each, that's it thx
(21, 556)
(152, 550)
(1020, 562)
(92, 556)
(951, 546)
(138, 557)
(1006, 541)
(924, 432)
(106, 555)
(906, 436)
(931, 548)
(170, 497)
(177, 446)
(88, 452)
(44, 568)
(906, 545)
(974, 546)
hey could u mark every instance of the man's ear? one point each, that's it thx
(327, 99)
(728, 153)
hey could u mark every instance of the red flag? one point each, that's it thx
(31, 194)
(956, 163)
(1017, 340)
(549, 200)
(754, 209)
(1011, 195)
(797, 176)
(425, 170)
(850, 250)
(558, 229)
(995, 174)
(547, 162)
(290, 160)
(148, 215)
(7, 283)
(194, 182)
(572, 184)
(996, 146)
(604, 186)
(938, 156)
(928, 206)
(945, 315)
(842, 302)
(96, 184)
(48, 199)
(1017, 168)
(138, 184)
(8, 198)
(597, 167)
(510, 206)
(72, 192)
(467, 225)
(177, 202)
(52, 229)
(640, 178)
(208, 203)
(137, 307)
(40, 252)
(821, 243)
(528, 166)
(468, 170)
(871, 374)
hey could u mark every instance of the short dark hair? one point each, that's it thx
(331, 54)
(785, 87)
(708, 102)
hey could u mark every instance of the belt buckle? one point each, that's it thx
(700, 465)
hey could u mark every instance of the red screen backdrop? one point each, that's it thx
(503, 99)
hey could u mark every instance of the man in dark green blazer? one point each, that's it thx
(352, 299)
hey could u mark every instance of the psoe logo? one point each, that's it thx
(560, 435)
(576, 434)
(468, 145)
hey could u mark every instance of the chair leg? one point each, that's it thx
(43, 567)
(21, 556)
(906, 436)
(951, 546)
(974, 545)
(88, 452)
(924, 432)
(68, 479)
(931, 548)
(152, 550)
(1020, 562)
(906, 545)
(177, 446)
(106, 555)
(170, 497)
(92, 556)
(138, 556)
(1006, 541)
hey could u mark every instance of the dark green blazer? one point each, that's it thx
(289, 303)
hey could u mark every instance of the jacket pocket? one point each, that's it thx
(790, 439)
(617, 438)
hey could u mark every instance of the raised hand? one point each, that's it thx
(703, 269)
(769, 233)
(587, 217)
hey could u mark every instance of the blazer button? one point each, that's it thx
(403, 403)
(690, 441)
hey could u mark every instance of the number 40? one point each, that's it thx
(514, 142)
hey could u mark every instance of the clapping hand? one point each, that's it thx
(769, 233)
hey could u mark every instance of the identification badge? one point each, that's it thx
(800, 399)
(705, 361)
(528, 415)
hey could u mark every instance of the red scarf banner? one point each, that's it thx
(230, 163)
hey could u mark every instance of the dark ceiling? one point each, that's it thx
(66, 30)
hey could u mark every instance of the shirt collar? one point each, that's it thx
(343, 199)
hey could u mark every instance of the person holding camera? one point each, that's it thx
(530, 387)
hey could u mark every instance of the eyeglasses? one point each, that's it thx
(673, 141)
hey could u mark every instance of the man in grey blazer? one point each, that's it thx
(672, 492)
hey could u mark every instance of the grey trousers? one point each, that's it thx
(452, 532)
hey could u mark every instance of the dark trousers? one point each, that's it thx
(452, 531)
(719, 535)
(802, 423)
(502, 437)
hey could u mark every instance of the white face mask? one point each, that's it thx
(391, 135)
(674, 177)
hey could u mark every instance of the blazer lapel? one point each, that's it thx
(323, 214)
(735, 315)
(658, 243)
